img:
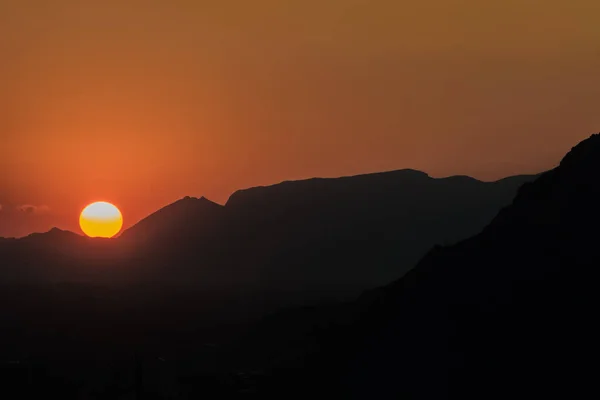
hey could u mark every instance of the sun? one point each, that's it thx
(101, 219)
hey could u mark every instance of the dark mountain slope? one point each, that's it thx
(182, 239)
(509, 313)
(330, 230)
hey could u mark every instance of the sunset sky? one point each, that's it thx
(143, 102)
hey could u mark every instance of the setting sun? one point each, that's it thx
(101, 219)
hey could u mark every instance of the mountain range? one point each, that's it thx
(500, 303)
(345, 234)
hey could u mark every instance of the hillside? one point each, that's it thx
(506, 313)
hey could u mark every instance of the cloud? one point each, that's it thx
(33, 210)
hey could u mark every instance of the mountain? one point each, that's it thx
(56, 256)
(507, 313)
(318, 235)
(358, 232)
(187, 218)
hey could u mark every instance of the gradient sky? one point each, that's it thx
(143, 102)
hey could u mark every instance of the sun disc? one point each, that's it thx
(101, 219)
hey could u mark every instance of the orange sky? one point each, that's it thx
(143, 102)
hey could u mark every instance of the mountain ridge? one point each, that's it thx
(344, 234)
(405, 172)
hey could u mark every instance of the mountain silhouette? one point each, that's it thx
(187, 218)
(349, 233)
(508, 313)
(55, 256)
(352, 231)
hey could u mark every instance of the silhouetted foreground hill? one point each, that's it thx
(509, 313)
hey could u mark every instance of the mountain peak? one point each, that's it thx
(412, 172)
(193, 201)
(54, 235)
(562, 200)
(55, 232)
(586, 155)
(176, 217)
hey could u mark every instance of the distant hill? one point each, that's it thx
(345, 234)
(186, 218)
(508, 313)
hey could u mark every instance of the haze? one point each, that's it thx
(141, 103)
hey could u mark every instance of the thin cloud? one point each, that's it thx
(33, 210)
